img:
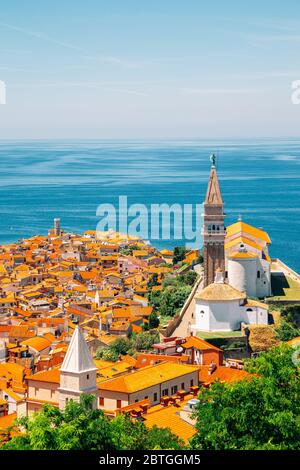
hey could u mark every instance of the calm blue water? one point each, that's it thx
(41, 180)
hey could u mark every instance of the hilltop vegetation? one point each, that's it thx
(258, 413)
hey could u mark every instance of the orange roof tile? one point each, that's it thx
(198, 343)
(51, 375)
(222, 373)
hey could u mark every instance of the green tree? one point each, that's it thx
(107, 354)
(189, 278)
(154, 298)
(261, 412)
(287, 331)
(144, 340)
(80, 427)
(153, 320)
(173, 298)
(121, 345)
(178, 254)
(291, 313)
(153, 281)
(128, 250)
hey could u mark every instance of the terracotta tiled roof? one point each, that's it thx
(198, 343)
(6, 421)
(147, 377)
(222, 373)
(242, 227)
(37, 342)
(52, 376)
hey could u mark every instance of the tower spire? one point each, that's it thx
(78, 358)
(78, 372)
(213, 193)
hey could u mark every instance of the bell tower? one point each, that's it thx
(78, 372)
(213, 228)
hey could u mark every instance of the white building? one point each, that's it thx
(247, 262)
(221, 307)
(78, 372)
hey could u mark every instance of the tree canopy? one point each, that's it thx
(261, 412)
(80, 427)
(121, 346)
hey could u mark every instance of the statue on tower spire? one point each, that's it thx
(213, 159)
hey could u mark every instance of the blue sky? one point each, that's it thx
(149, 69)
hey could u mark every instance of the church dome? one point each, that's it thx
(220, 292)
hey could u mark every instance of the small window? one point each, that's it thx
(119, 404)
(258, 274)
(192, 383)
(87, 376)
(101, 401)
(165, 392)
(182, 386)
(155, 396)
(249, 310)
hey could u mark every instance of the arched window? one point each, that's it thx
(249, 310)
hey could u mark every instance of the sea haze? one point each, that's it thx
(41, 180)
